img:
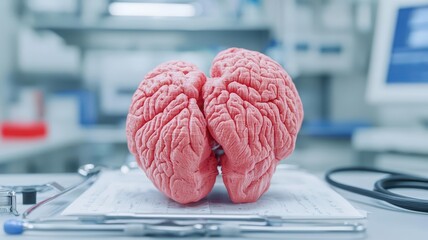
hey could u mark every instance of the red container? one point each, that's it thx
(19, 130)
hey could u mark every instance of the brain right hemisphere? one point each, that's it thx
(254, 112)
(249, 107)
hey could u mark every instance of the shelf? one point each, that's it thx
(143, 24)
(57, 139)
(131, 33)
(60, 137)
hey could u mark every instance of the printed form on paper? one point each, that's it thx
(293, 194)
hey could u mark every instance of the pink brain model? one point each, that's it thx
(249, 107)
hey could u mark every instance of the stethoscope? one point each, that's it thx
(382, 187)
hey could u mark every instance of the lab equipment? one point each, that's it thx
(89, 171)
(8, 202)
(381, 187)
(29, 196)
(172, 229)
(29, 192)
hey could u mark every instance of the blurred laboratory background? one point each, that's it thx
(68, 70)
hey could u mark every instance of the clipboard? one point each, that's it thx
(246, 219)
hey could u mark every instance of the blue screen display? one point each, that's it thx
(409, 54)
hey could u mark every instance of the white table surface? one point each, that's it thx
(384, 139)
(384, 221)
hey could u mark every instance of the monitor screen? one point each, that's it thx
(408, 62)
(399, 62)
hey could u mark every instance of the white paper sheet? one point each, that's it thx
(293, 194)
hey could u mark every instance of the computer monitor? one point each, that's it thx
(399, 64)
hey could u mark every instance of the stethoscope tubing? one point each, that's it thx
(382, 186)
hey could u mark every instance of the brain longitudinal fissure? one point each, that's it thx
(249, 106)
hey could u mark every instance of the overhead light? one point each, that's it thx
(152, 9)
